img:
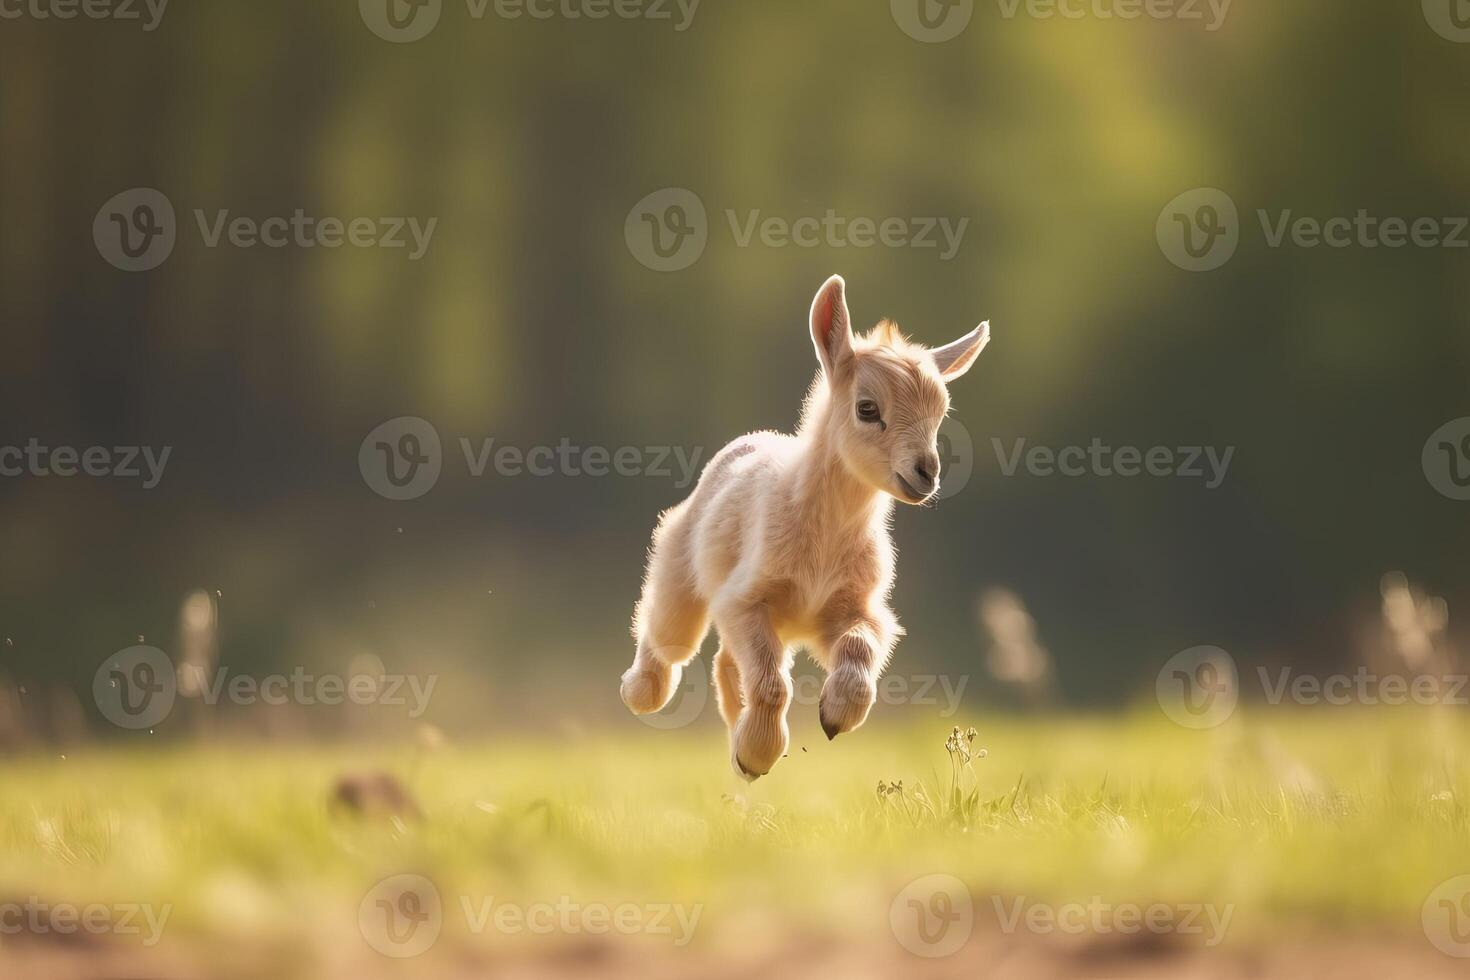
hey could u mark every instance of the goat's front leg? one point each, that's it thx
(856, 656)
(760, 735)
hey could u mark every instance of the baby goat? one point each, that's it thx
(785, 542)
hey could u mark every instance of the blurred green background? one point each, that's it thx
(530, 321)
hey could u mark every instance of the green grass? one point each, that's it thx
(1333, 818)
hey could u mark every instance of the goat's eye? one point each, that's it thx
(867, 411)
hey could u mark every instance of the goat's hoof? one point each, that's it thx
(758, 743)
(745, 773)
(647, 689)
(846, 698)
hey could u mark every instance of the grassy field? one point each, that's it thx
(1322, 822)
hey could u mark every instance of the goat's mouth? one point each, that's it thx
(907, 493)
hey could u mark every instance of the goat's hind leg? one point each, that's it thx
(760, 735)
(669, 624)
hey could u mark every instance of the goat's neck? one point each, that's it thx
(829, 494)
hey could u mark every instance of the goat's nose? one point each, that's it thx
(926, 473)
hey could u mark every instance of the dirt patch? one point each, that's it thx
(993, 957)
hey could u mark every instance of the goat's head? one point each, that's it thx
(886, 396)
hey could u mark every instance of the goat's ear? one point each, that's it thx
(955, 359)
(831, 325)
